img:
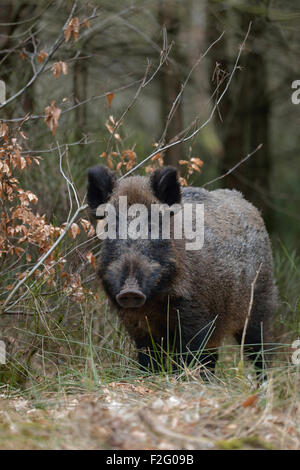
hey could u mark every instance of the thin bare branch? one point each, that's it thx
(248, 315)
(178, 98)
(53, 49)
(43, 258)
(194, 133)
(234, 167)
(164, 53)
(92, 98)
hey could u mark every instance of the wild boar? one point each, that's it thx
(191, 299)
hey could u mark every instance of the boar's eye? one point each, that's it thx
(100, 185)
(165, 185)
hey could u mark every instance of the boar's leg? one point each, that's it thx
(193, 356)
(150, 356)
(148, 360)
(193, 341)
(255, 348)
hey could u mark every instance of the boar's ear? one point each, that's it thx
(100, 185)
(165, 185)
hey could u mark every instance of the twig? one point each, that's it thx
(193, 134)
(17, 312)
(55, 46)
(69, 182)
(131, 104)
(40, 262)
(248, 314)
(82, 141)
(176, 101)
(163, 57)
(92, 98)
(235, 166)
(162, 431)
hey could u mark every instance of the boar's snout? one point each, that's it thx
(131, 298)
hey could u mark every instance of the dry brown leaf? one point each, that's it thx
(85, 225)
(130, 154)
(22, 133)
(91, 259)
(21, 163)
(197, 161)
(42, 56)
(58, 68)
(250, 401)
(195, 167)
(3, 130)
(109, 128)
(52, 116)
(32, 197)
(73, 27)
(75, 230)
(183, 181)
(21, 224)
(110, 97)
(110, 163)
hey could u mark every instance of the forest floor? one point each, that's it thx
(73, 382)
(157, 412)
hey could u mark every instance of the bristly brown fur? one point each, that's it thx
(200, 296)
(137, 191)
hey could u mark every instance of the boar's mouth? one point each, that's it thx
(130, 298)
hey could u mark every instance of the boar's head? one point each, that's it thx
(135, 271)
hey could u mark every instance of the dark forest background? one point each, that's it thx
(86, 82)
(111, 55)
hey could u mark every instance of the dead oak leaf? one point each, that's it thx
(72, 27)
(74, 230)
(91, 259)
(52, 113)
(110, 97)
(87, 23)
(250, 401)
(4, 131)
(58, 68)
(42, 56)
